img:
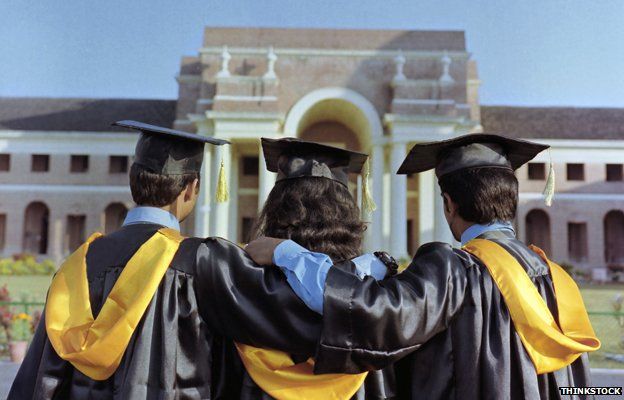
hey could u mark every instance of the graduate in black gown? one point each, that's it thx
(311, 204)
(494, 319)
(144, 313)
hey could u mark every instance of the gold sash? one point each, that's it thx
(95, 346)
(276, 373)
(550, 346)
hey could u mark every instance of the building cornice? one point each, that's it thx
(310, 52)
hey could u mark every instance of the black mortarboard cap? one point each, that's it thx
(481, 150)
(295, 158)
(167, 151)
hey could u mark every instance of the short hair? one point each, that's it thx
(156, 190)
(483, 195)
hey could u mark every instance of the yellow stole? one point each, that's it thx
(276, 373)
(95, 346)
(550, 346)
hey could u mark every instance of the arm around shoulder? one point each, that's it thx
(369, 325)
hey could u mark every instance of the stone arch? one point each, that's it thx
(614, 237)
(341, 105)
(114, 215)
(36, 227)
(537, 225)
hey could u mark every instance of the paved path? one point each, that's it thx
(601, 377)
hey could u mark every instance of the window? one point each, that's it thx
(577, 241)
(615, 172)
(5, 162)
(117, 164)
(75, 235)
(538, 229)
(79, 164)
(2, 231)
(36, 221)
(40, 163)
(576, 172)
(537, 171)
(250, 165)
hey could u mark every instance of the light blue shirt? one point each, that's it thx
(151, 215)
(306, 271)
(477, 230)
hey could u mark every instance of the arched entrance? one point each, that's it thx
(538, 229)
(114, 216)
(36, 222)
(614, 237)
(336, 134)
(353, 122)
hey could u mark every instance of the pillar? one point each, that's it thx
(266, 179)
(202, 209)
(373, 240)
(398, 213)
(426, 207)
(442, 231)
(220, 212)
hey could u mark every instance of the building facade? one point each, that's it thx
(378, 92)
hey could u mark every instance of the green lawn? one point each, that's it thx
(597, 298)
(32, 287)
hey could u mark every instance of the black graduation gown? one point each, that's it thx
(445, 324)
(211, 295)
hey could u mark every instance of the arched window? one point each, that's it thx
(114, 216)
(36, 221)
(538, 229)
(614, 237)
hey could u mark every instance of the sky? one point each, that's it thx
(529, 53)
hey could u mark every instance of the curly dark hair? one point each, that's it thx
(318, 213)
(484, 195)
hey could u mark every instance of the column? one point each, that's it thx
(442, 231)
(56, 234)
(202, 209)
(398, 213)
(426, 207)
(219, 212)
(373, 241)
(266, 179)
(233, 178)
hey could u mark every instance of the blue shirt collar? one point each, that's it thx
(477, 230)
(151, 215)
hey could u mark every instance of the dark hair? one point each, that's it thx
(150, 189)
(484, 195)
(318, 213)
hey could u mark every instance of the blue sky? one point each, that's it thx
(530, 52)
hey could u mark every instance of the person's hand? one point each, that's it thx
(261, 249)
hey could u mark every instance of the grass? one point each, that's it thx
(597, 298)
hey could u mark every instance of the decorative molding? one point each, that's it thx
(574, 196)
(428, 102)
(259, 51)
(227, 97)
(187, 78)
(33, 188)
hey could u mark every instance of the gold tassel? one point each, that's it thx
(222, 190)
(368, 204)
(549, 190)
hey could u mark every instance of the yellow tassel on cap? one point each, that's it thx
(549, 190)
(222, 190)
(368, 204)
